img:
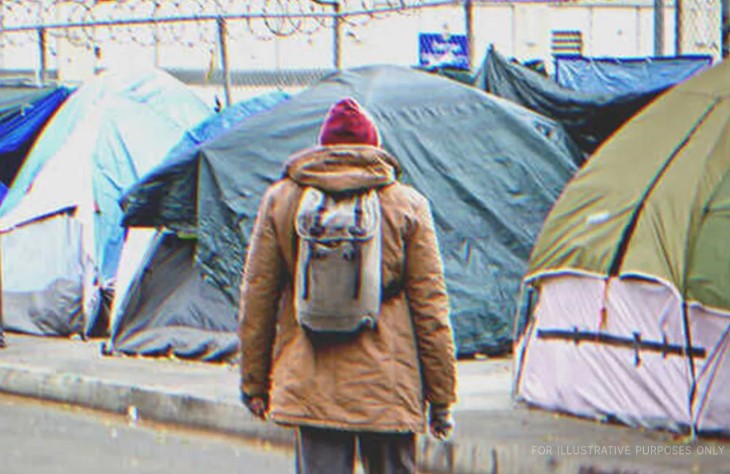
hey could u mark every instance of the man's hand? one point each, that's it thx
(440, 421)
(258, 405)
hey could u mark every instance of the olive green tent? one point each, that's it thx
(632, 272)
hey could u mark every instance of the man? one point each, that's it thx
(372, 388)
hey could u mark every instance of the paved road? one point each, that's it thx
(41, 438)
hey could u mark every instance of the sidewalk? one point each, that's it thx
(492, 436)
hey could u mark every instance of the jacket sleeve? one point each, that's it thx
(260, 294)
(429, 307)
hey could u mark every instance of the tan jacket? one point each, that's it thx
(380, 380)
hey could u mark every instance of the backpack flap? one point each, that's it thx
(338, 274)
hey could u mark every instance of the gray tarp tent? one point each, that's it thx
(490, 169)
(165, 306)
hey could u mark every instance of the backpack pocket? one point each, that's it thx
(338, 269)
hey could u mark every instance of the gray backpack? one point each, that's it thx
(338, 275)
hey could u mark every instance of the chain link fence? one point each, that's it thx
(247, 47)
(699, 26)
(240, 44)
(189, 22)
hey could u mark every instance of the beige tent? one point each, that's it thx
(631, 273)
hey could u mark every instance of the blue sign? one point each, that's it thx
(439, 50)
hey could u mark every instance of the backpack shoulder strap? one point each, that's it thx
(289, 225)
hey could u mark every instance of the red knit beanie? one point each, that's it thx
(348, 123)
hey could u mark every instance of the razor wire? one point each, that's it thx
(185, 22)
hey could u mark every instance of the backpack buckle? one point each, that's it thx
(356, 231)
(316, 230)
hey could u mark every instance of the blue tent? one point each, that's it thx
(226, 119)
(626, 75)
(61, 217)
(24, 110)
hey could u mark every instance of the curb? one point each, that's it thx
(184, 410)
(166, 407)
(459, 456)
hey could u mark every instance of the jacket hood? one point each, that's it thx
(343, 168)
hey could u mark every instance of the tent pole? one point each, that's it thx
(692, 368)
(529, 291)
(223, 48)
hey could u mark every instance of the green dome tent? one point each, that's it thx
(632, 273)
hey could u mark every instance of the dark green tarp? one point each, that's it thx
(490, 169)
(589, 118)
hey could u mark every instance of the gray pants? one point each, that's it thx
(324, 451)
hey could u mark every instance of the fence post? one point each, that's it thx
(677, 27)
(469, 29)
(42, 58)
(336, 31)
(658, 28)
(222, 44)
(156, 34)
(337, 37)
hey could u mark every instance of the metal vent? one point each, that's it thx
(566, 42)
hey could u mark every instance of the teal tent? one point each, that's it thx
(60, 221)
(163, 303)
